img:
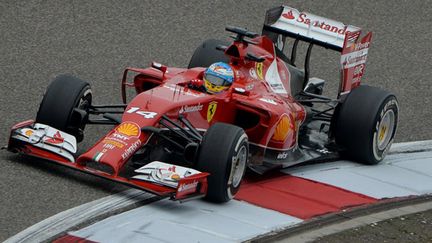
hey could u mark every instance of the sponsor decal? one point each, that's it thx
(170, 173)
(28, 133)
(270, 101)
(164, 173)
(171, 168)
(288, 15)
(48, 138)
(33, 136)
(192, 108)
(121, 137)
(211, 110)
(352, 38)
(175, 177)
(56, 139)
(273, 79)
(188, 186)
(115, 142)
(259, 69)
(128, 152)
(97, 156)
(361, 45)
(129, 129)
(253, 73)
(315, 21)
(109, 146)
(353, 59)
(283, 127)
(282, 155)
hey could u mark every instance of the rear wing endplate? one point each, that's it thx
(281, 22)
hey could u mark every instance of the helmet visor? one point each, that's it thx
(215, 80)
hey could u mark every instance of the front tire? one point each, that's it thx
(224, 153)
(366, 124)
(65, 104)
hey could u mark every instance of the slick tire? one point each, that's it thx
(366, 124)
(65, 104)
(224, 153)
(206, 54)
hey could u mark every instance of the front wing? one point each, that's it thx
(162, 179)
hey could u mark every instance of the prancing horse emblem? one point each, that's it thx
(211, 110)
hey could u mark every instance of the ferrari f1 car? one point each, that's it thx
(179, 142)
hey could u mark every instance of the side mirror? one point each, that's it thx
(241, 91)
(160, 67)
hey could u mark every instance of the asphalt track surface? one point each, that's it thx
(95, 40)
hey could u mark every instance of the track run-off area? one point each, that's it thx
(299, 197)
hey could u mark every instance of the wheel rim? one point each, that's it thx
(75, 123)
(85, 101)
(385, 130)
(239, 166)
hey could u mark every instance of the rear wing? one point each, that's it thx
(284, 21)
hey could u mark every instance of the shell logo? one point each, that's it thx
(28, 133)
(282, 129)
(129, 129)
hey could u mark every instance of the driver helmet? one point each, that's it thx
(218, 77)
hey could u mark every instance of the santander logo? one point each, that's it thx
(316, 22)
(56, 139)
(188, 186)
(288, 15)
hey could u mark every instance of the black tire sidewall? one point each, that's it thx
(219, 147)
(356, 121)
(61, 97)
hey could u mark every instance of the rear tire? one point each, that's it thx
(366, 124)
(58, 106)
(224, 153)
(206, 54)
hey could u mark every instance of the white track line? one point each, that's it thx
(195, 221)
(68, 219)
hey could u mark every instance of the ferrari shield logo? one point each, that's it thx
(211, 110)
(259, 69)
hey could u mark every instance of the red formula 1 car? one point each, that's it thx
(178, 141)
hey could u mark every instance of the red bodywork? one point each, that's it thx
(259, 101)
(250, 96)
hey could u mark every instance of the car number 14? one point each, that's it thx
(145, 114)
